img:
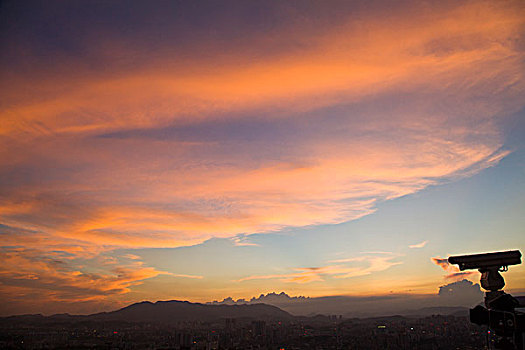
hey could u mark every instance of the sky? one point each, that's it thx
(198, 150)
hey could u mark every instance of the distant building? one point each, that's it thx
(259, 328)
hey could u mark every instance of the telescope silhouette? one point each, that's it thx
(499, 313)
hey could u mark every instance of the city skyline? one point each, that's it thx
(204, 150)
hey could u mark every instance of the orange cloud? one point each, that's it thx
(54, 277)
(172, 152)
(453, 271)
(372, 263)
(341, 64)
(418, 245)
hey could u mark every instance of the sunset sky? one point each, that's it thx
(196, 150)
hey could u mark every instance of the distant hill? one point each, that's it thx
(175, 311)
(165, 312)
(169, 312)
(367, 306)
(284, 308)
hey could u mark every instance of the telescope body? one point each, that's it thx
(487, 260)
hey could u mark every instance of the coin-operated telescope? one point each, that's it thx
(500, 313)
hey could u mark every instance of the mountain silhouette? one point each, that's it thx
(176, 311)
(453, 297)
(166, 312)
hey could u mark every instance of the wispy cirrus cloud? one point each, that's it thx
(293, 141)
(344, 268)
(316, 128)
(242, 241)
(57, 277)
(418, 245)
